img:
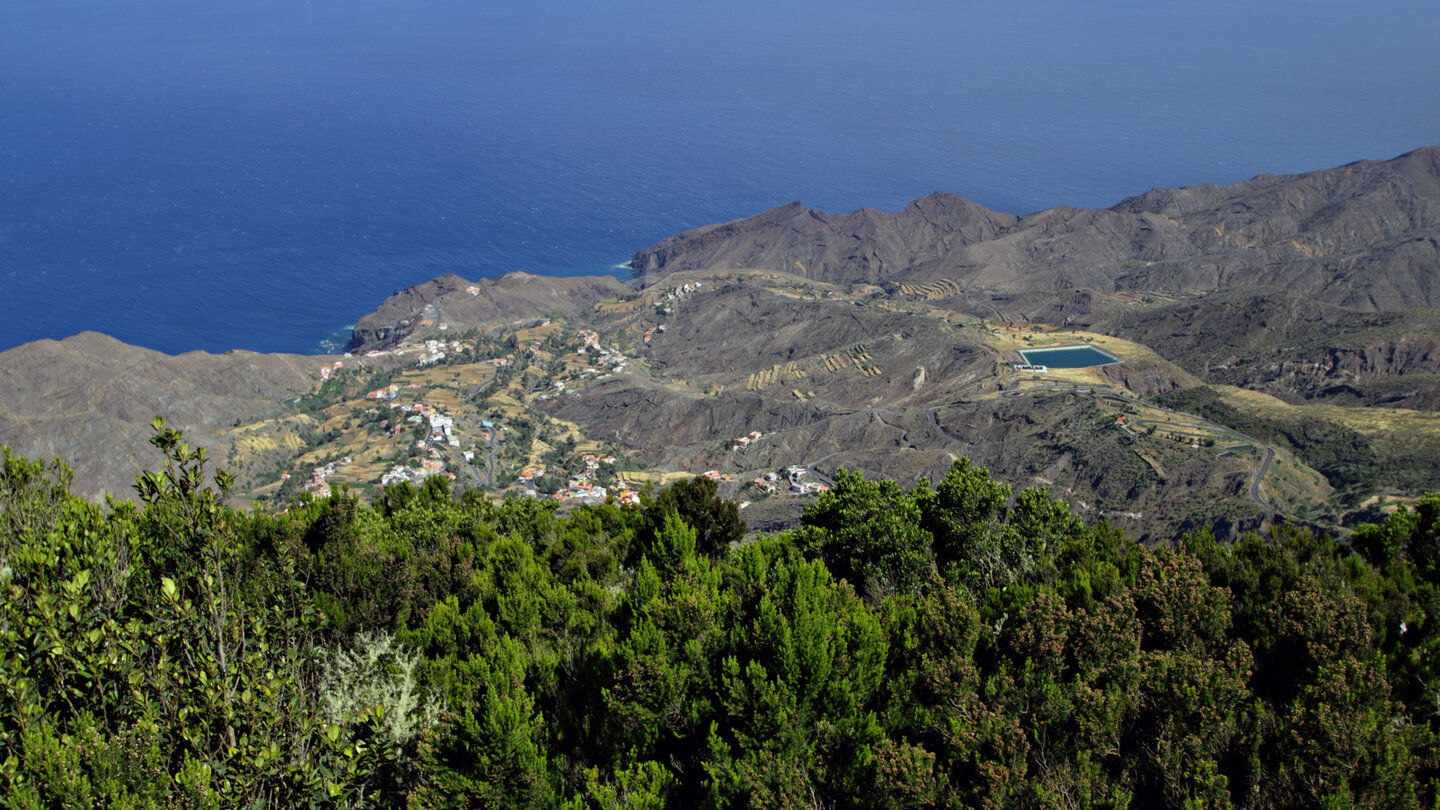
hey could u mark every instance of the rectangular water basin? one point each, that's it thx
(1069, 357)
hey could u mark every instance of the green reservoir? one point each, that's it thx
(1069, 357)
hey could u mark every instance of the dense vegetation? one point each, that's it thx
(945, 646)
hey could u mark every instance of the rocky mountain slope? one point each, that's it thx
(831, 379)
(1296, 348)
(89, 399)
(1364, 236)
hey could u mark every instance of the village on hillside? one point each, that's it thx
(467, 408)
(477, 407)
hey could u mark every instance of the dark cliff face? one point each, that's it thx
(1144, 377)
(1364, 236)
(397, 316)
(1412, 354)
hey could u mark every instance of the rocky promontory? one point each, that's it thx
(435, 305)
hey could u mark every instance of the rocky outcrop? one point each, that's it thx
(1297, 348)
(1144, 377)
(1411, 354)
(1404, 372)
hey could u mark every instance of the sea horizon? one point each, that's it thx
(257, 177)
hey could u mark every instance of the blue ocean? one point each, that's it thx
(198, 175)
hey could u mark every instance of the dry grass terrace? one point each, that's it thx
(1400, 424)
(637, 480)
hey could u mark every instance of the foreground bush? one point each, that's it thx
(960, 646)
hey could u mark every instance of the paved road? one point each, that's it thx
(1234, 436)
(935, 426)
(458, 459)
(822, 477)
(1255, 485)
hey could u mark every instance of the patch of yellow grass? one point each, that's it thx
(636, 480)
(1371, 422)
(534, 333)
(760, 379)
(282, 423)
(1292, 487)
(249, 446)
(1390, 503)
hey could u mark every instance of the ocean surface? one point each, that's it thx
(200, 175)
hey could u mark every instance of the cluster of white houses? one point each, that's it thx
(582, 486)
(441, 431)
(428, 351)
(436, 350)
(606, 357)
(606, 360)
(770, 483)
(319, 483)
(416, 475)
(679, 293)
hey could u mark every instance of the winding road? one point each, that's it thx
(1255, 485)
(1198, 423)
(935, 426)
